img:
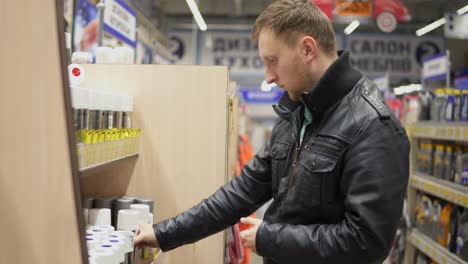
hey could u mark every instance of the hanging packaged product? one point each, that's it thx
(449, 164)
(458, 168)
(444, 225)
(439, 155)
(457, 105)
(435, 218)
(464, 105)
(430, 158)
(464, 173)
(420, 157)
(462, 237)
(425, 100)
(437, 105)
(424, 215)
(452, 237)
(449, 105)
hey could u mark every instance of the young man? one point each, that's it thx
(337, 164)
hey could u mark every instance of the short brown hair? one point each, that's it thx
(288, 18)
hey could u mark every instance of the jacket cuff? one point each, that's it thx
(163, 243)
(265, 239)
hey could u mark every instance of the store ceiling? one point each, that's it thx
(230, 11)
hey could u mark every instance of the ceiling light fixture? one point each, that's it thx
(430, 27)
(438, 23)
(462, 10)
(351, 27)
(196, 15)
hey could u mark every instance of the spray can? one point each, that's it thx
(450, 105)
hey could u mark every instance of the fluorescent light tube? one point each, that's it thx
(462, 10)
(430, 27)
(196, 14)
(351, 27)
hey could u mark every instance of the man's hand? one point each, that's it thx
(248, 236)
(145, 237)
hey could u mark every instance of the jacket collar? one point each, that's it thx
(338, 80)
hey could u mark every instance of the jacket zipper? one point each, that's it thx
(294, 164)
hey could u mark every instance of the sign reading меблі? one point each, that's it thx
(120, 21)
(399, 56)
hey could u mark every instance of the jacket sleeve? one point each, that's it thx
(240, 197)
(373, 182)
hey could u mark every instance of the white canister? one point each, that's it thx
(128, 220)
(100, 216)
(103, 256)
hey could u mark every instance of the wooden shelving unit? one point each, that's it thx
(184, 113)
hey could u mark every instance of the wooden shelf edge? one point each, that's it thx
(431, 249)
(443, 189)
(106, 164)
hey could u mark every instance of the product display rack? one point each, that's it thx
(448, 191)
(455, 132)
(183, 113)
(432, 249)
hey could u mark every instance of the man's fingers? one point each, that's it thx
(137, 239)
(249, 220)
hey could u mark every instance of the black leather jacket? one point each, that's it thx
(338, 195)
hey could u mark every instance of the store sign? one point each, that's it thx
(435, 68)
(401, 55)
(456, 26)
(258, 96)
(120, 21)
(234, 49)
(361, 8)
(181, 46)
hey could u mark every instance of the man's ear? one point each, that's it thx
(310, 48)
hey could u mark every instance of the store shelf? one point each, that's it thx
(433, 250)
(446, 190)
(105, 164)
(456, 131)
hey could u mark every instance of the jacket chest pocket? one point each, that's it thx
(318, 179)
(279, 153)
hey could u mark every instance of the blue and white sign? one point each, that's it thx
(256, 96)
(120, 21)
(397, 56)
(436, 67)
